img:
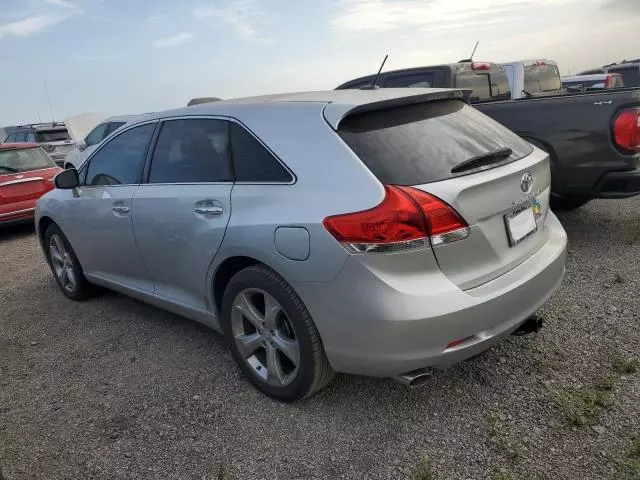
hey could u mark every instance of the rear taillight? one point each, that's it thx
(406, 219)
(626, 129)
(444, 224)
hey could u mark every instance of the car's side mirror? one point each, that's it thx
(82, 146)
(67, 179)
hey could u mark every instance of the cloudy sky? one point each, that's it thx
(130, 56)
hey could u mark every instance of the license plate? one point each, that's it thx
(521, 223)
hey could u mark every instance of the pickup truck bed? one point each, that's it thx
(576, 129)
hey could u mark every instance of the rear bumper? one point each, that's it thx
(383, 325)
(619, 184)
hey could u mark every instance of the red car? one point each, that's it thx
(26, 173)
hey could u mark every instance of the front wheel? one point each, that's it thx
(65, 265)
(272, 336)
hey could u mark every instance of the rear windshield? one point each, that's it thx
(585, 83)
(542, 78)
(12, 161)
(419, 144)
(43, 136)
(630, 75)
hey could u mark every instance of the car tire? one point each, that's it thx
(568, 203)
(65, 265)
(262, 343)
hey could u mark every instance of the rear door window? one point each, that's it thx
(21, 137)
(252, 162)
(422, 143)
(191, 151)
(630, 75)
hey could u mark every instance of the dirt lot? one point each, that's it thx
(115, 389)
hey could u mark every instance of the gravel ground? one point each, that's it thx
(115, 389)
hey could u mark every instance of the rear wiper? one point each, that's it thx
(482, 160)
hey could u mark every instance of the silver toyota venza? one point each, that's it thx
(382, 232)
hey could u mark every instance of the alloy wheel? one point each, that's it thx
(265, 337)
(62, 263)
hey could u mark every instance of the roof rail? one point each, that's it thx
(43, 124)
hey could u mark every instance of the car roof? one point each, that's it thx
(122, 118)
(17, 146)
(334, 104)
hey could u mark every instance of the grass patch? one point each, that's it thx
(501, 436)
(224, 472)
(502, 474)
(634, 451)
(582, 406)
(630, 470)
(618, 278)
(627, 365)
(424, 470)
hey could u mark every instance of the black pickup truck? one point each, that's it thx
(593, 138)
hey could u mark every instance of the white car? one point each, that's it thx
(87, 138)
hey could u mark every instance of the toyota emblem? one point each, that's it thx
(526, 184)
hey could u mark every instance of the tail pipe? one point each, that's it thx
(532, 324)
(415, 378)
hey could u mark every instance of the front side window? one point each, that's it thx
(191, 151)
(12, 161)
(96, 135)
(120, 161)
(252, 162)
(11, 138)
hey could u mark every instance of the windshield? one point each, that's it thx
(44, 136)
(425, 143)
(541, 77)
(22, 160)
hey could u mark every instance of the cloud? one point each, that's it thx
(174, 40)
(245, 17)
(629, 6)
(372, 16)
(62, 3)
(30, 25)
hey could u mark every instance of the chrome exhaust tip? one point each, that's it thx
(415, 378)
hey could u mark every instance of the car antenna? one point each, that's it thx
(374, 85)
(470, 59)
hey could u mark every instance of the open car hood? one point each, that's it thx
(79, 126)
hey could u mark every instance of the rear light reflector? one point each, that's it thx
(626, 129)
(406, 219)
(480, 66)
(455, 343)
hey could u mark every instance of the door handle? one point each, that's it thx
(121, 209)
(208, 210)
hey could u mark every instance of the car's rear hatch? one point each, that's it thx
(497, 182)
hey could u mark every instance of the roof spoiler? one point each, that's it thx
(334, 113)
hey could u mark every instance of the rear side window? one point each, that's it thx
(120, 161)
(416, 80)
(422, 143)
(60, 135)
(630, 75)
(541, 77)
(191, 151)
(21, 137)
(252, 162)
(479, 83)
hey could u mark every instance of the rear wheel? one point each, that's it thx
(272, 335)
(64, 265)
(568, 203)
